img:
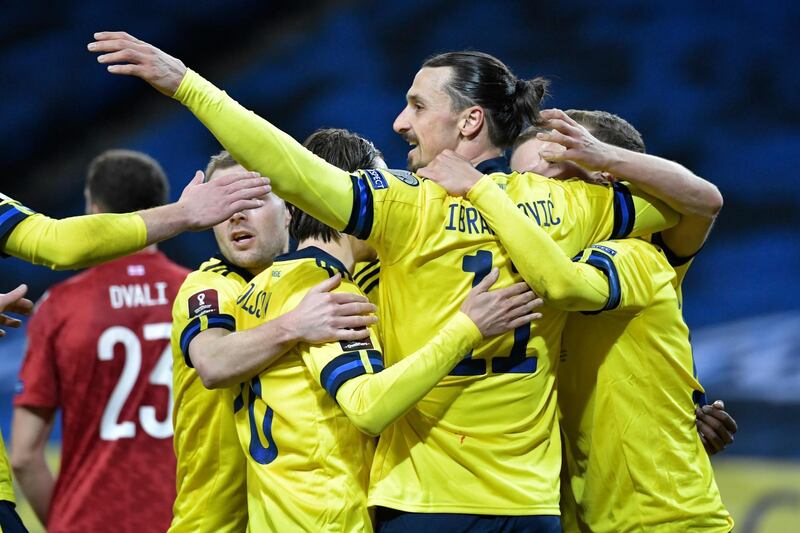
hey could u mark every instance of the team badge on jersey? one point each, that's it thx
(405, 176)
(377, 179)
(203, 303)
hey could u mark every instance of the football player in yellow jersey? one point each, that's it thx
(485, 441)
(82, 241)
(627, 387)
(211, 470)
(314, 410)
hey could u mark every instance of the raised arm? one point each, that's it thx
(82, 241)
(298, 176)
(697, 200)
(374, 401)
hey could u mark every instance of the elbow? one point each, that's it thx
(369, 425)
(21, 460)
(560, 296)
(67, 258)
(715, 202)
(210, 376)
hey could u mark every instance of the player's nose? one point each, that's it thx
(401, 124)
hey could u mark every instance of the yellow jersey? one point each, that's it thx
(211, 474)
(627, 391)
(312, 411)
(308, 464)
(367, 276)
(485, 440)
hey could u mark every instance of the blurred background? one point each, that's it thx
(709, 84)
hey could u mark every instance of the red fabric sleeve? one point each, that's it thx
(38, 377)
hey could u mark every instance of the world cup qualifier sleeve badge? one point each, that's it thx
(203, 302)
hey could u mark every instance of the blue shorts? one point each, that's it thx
(10, 522)
(393, 521)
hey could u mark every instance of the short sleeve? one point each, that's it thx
(627, 271)
(386, 210)
(38, 377)
(204, 301)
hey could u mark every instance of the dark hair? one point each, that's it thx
(510, 103)
(344, 149)
(220, 161)
(609, 128)
(123, 181)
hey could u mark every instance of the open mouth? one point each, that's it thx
(242, 238)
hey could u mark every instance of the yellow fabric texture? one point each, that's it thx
(309, 429)
(6, 483)
(633, 459)
(485, 440)
(75, 242)
(211, 474)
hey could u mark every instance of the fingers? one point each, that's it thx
(198, 178)
(328, 285)
(486, 282)
(722, 416)
(347, 297)
(557, 137)
(712, 442)
(115, 35)
(358, 321)
(351, 334)
(10, 322)
(354, 308)
(524, 319)
(10, 298)
(555, 114)
(23, 306)
(236, 177)
(244, 205)
(513, 290)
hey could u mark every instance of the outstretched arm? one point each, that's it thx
(298, 176)
(82, 241)
(697, 200)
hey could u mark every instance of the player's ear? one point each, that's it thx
(471, 121)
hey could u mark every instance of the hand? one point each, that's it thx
(715, 426)
(581, 147)
(14, 302)
(140, 59)
(207, 204)
(452, 172)
(325, 316)
(500, 310)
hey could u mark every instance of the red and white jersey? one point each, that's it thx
(98, 350)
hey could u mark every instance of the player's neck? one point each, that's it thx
(342, 250)
(478, 155)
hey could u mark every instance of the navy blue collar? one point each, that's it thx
(312, 252)
(243, 273)
(490, 166)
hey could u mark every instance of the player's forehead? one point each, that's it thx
(221, 172)
(429, 85)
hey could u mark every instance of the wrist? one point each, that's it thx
(616, 160)
(478, 187)
(284, 331)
